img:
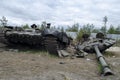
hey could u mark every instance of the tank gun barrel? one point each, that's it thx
(105, 68)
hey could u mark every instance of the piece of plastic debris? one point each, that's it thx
(88, 59)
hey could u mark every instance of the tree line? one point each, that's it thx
(76, 27)
(90, 28)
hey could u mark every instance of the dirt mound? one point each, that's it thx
(114, 49)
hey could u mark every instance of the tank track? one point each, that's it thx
(2, 37)
(51, 45)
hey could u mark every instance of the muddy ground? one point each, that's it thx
(16, 64)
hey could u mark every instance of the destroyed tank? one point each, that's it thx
(101, 40)
(98, 46)
(53, 40)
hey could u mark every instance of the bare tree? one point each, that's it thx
(105, 19)
(3, 21)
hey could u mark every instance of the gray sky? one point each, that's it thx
(60, 12)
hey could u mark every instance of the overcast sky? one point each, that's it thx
(60, 12)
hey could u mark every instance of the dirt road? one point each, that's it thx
(25, 65)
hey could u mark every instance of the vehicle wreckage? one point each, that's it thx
(56, 42)
(96, 45)
(53, 40)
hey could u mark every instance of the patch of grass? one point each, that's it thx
(109, 54)
(100, 69)
(32, 50)
(38, 51)
(35, 51)
(27, 50)
(117, 43)
(53, 56)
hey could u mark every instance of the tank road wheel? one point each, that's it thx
(51, 45)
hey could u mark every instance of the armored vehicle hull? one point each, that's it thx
(52, 40)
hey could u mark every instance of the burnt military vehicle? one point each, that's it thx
(53, 40)
(97, 45)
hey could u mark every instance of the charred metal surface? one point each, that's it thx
(100, 35)
(97, 45)
(51, 45)
(51, 39)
